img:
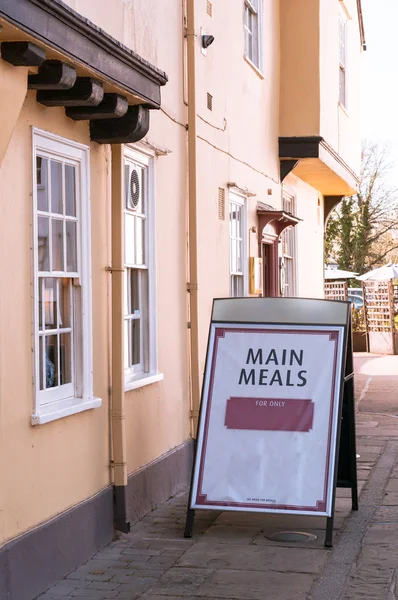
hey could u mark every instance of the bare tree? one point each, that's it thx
(361, 232)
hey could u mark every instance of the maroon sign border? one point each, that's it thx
(201, 499)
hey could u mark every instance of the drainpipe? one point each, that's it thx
(192, 220)
(118, 414)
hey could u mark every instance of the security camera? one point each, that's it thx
(207, 40)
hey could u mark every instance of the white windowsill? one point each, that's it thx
(142, 381)
(64, 408)
(253, 66)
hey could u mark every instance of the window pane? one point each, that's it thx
(66, 358)
(56, 187)
(40, 286)
(50, 303)
(239, 256)
(134, 291)
(234, 265)
(342, 41)
(126, 344)
(65, 289)
(238, 222)
(139, 241)
(126, 283)
(70, 190)
(57, 245)
(42, 242)
(342, 87)
(129, 237)
(41, 385)
(71, 246)
(51, 361)
(135, 341)
(42, 185)
(233, 226)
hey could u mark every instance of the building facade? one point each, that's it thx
(146, 168)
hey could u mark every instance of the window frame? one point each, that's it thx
(343, 24)
(49, 145)
(255, 9)
(236, 198)
(135, 377)
(289, 197)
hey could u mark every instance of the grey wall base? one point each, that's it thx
(157, 482)
(37, 560)
(33, 562)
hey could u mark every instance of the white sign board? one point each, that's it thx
(269, 419)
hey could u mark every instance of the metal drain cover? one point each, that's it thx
(291, 536)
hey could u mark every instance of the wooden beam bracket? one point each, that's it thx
(86, 92)
(22, 54)
(113, 106)
(53, 75)
(126, 130)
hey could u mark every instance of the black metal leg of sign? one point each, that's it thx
(189, 523)
(352, 442)
(190, 511)
(329, 531)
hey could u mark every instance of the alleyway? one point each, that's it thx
(230, 556)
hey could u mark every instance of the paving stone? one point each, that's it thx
(387, 514)
(49, 596)
(90, 593)
(253, 558)
(131, 588)
(231, 535)
(381, 533)
(102, 585)
(67, 585)
(255, 585)
(166, 544)
(137, 579)
(181, 581)
(392, 485)
(380, 555)
(143, 552)
(391, 499)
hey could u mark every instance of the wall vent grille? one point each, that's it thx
(209, 8)
(221, 203)
(209, 101)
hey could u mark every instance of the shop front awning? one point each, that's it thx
(314, 161)
(74, 64)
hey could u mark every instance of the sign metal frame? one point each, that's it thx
(275, 313)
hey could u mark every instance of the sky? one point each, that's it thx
(379, 81)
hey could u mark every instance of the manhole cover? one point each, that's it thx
(291, 536)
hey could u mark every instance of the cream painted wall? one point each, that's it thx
(58, 464)
(300, 68)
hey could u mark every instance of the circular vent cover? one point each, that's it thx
(291, 536)
(134, 188)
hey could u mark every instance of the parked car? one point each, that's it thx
(356, 292)
(356, 300)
